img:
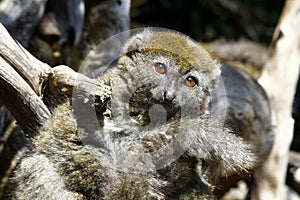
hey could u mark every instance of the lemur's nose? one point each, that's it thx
(168, 95)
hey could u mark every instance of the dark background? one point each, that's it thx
(207, 20)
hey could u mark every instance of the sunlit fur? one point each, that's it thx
(146, 112)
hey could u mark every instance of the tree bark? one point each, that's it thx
(28, 109)
(26, 65)
(20, 75)
(25, 81)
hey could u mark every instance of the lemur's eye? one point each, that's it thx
(160, 68)
(191, 81)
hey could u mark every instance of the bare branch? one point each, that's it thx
(62, 82)
(27, 66)
(21, 78)
(28, 109)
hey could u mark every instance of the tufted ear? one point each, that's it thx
(136, 42)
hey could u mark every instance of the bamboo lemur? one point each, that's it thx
(157, 138)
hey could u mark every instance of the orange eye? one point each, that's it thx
(160, 68)
(191, 81)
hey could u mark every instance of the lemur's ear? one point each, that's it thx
(136, 42)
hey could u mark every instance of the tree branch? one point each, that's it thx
(62, 82)
(28, 109)
(26, 65)
(23, 77)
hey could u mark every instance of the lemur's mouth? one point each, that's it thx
(170, 106)
(142, 103)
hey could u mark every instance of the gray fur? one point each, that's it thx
(178, 151)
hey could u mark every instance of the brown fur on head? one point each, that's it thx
(177, 45)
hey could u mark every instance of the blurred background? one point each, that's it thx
(207, 20)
